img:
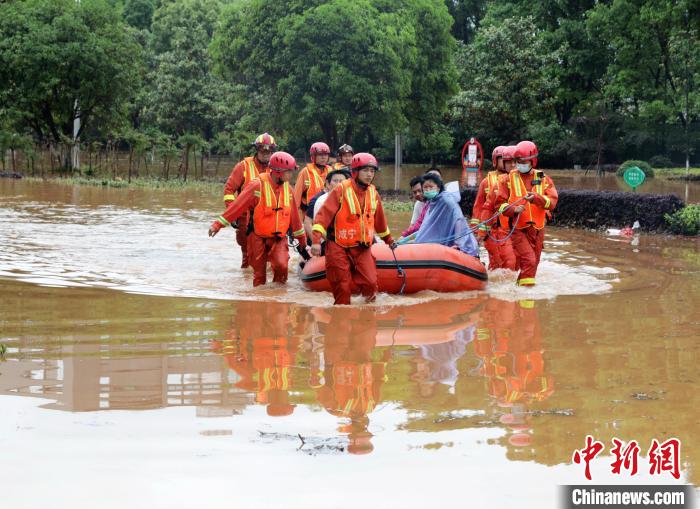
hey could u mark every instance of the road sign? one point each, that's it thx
(634, 176)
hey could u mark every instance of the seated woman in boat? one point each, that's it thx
(444, 222)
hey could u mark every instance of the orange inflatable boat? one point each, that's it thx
(426, 267)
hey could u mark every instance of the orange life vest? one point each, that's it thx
(354, 223)
(533, 215)
(491, 181)
(272, 215)
(250, 172)
(340, 166)
(352, 384)
(314, 180)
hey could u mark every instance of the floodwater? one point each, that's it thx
(142, 369)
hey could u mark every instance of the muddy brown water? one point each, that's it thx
(138, 356)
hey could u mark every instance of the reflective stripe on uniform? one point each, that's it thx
(547, 202)
(229, 197)
(526, 281)
(223, 221)
(298, 233)
(320, 229)
(383, 234)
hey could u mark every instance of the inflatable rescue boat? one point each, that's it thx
(424, 267)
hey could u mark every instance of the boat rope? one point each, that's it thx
(399, 269)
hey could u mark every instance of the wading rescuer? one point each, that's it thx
(536, 196)
(348, 220)
(241, 175)
(501, 255)
(345, 153)
(311, 177)
(270, 199)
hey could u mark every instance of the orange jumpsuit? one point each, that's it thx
(240, 176)
(528, 237)
(269, 248)
(308, 185)
(501, 255)
(355, 263)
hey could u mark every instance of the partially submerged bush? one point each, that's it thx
(685, 221)
(660, 161)
(642, 165)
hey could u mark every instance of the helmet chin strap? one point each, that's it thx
(356, 178)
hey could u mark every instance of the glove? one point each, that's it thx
(393, 245)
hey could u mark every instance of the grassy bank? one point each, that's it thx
(136, 183)
(677, 173)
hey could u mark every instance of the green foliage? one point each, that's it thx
(3, 351)
(504, 88)
(642, 165)
(56, 52)
(376, 65)
(139, 13)
(661, 161)
(685, 221)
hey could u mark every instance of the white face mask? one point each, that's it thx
(523, 167)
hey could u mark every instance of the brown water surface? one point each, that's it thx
(142, 369)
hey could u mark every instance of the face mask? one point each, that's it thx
(429, 195)
(523, 167)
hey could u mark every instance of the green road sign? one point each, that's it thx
(634, 176)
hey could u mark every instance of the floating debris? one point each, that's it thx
(567, 412)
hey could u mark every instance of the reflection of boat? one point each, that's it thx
(426, 266)
(432, 322)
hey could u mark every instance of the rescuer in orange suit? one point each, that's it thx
(345, 153)
(261, 347)
(501, 255)
(348, 220)
(242, 174)
(274, 211)
(352, 380)
(536, 196)
(312, 177)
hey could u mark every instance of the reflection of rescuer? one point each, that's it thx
(348, 220)
(352, 381)
(274, 211)
(509, 344)
(262, 351)
(242, 174)
(312, 176)
(536, 197)
(501, 254)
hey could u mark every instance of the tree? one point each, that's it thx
(60, 60)
(504, 88)
(341, 66)
(654, 70)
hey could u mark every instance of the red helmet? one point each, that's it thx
(265, 141)
(319, 148)
(497, 152)
(362, 160)
(528, 151)
(281, 161)
(508, 153)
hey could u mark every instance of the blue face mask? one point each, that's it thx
(430, 195)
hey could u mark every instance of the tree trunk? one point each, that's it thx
(187, 163)
(131, 155)
(201, 164)
(14, 165)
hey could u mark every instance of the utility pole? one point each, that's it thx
(397, 161)
(75, 149)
